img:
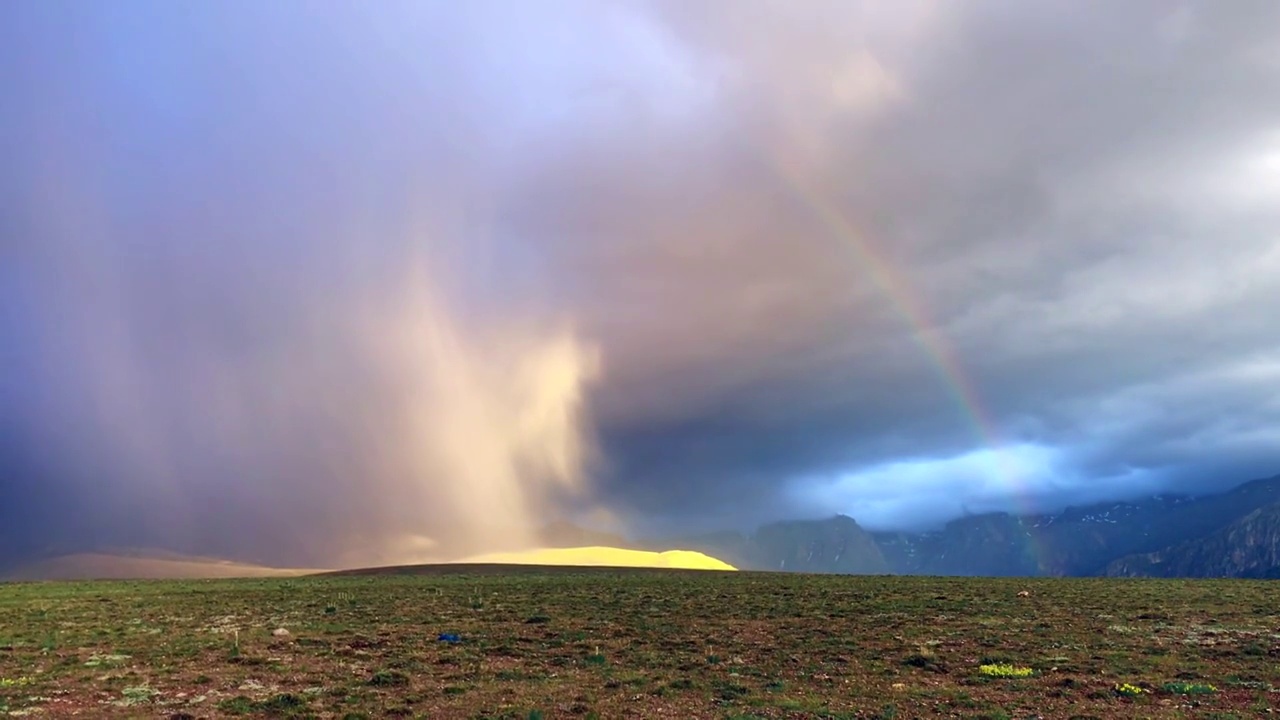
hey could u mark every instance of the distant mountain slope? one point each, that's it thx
(730, 546)
(106, 566)
(1247, 548)
(991, 544)
(834, 545)
(1077, 541)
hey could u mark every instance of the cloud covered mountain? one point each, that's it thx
(1232, 534)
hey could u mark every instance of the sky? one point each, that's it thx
(345, 283)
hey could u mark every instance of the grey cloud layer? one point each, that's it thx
(1081, 196)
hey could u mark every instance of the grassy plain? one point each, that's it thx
(640, 644)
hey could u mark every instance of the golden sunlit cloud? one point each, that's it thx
(487, 440)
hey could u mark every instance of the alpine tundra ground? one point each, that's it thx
(532, 643)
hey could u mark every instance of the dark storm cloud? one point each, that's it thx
(1083, 195)
(209, 214)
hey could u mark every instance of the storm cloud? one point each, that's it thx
(340, 284)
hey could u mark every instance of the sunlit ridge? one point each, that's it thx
(601, 556)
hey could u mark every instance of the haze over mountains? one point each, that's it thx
(1230, 534)
(1235, 534)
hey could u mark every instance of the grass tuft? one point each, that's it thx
(1186, 688)
(1005, 671)
(388, 678)
(1129, 690)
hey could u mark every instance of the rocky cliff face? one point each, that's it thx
(1247, 548)
(837, 545)
(1074, 542)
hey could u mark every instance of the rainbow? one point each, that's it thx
(941, 353)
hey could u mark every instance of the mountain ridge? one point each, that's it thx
(1247, 548)
(1235, 533)
(1078, 541)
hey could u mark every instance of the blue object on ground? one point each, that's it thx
(449, 638)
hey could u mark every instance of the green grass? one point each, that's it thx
(1186, 688)
(595, 643)
(1005, 671)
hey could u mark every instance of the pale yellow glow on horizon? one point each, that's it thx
(600, 556)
